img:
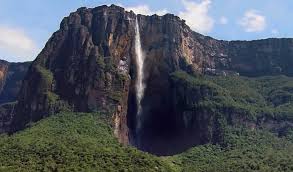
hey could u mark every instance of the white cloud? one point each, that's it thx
(196, 15)
(223, 20)
(145, 10)
(252, 21)
(16, 43)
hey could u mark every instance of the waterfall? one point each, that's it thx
(140, 86)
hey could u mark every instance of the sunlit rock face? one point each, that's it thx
(90, 65)
(3, 73)
(84, 67)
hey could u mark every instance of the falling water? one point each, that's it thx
(140, 86)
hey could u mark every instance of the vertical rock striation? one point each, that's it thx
(90, 65)
(84, 66)
(11, 75)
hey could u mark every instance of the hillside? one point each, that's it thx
(72, 142)
(85, 142)
(110, 85)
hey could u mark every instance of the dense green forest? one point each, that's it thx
(246, 151)
(72, 142)
(85, 142)
(270, 97)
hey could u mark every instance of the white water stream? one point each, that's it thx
(140, 85)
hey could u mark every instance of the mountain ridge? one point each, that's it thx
(88, 65)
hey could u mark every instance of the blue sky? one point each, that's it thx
(26, 25)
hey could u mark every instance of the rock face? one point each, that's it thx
(89, 65)
(262, 57)
(11, 75)
(3, 72)
(84, 67)
(6, 116)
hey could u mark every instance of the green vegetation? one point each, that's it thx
(254, 97)
(115, 95)
(271, 96)
(46, 78)
(109, 64)
(100, 62)
(84, 141)
(250, 102)
(55, 104)
(72, 142)
(247, 151)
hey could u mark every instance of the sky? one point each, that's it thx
(26, 25)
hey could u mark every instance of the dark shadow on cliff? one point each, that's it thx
(162, 131)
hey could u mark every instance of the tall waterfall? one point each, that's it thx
(140, 86)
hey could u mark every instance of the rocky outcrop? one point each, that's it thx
(3, 73)
(6, 116)
(83, 67)
(88, 65)
(262, 57)
(11, 75)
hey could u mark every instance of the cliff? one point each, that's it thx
(11, 75)
(84, 67)
(88, 65)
